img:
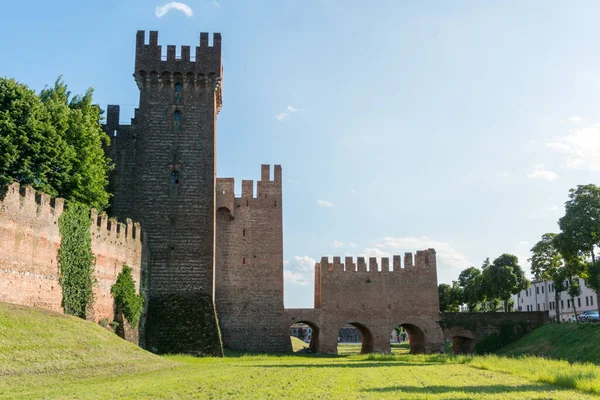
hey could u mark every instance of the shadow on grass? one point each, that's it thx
(489, 389)
(355, 364)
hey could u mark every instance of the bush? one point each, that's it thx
(127, 301)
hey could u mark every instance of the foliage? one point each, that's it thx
(593, 276)
(75, 259)
(53, 143)
(126, 299)
(548, 264)
(450, 297)
(504, 278)
(581, 222)
(508, 332)
(471, 281)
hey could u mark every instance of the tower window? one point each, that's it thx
(244, 232)
(174, 177)
(177, 119)
(243, 260)
(178, 91)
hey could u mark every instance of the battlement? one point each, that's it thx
(424, 259)
(266, 189)
(25, 201)
(203, 68)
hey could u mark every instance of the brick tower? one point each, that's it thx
(174, 191)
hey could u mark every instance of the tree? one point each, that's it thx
(53, 143)
(450, 297)
(574, 264)
(593, 279)
(581, 226)
(547, 263)
(504, 278)
(470, 280)
(126, 299)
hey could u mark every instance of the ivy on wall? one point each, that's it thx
(126, 300)
(76, 260)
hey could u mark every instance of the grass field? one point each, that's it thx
(46, 355)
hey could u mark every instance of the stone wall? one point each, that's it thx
(249, 265)
(29, 244)
(165, 178)
(375, 299)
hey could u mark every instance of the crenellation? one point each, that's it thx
(361, 265)
(373, 264)
(408, 260)
(385, 264)
(247, 188)
(396, 261)
(349, 264)
(265, 173)
(28, 203)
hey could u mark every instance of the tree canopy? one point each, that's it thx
(53, 142)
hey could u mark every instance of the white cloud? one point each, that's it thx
(216, 3)
(352, 191)
(325, 203)
(292, 109)
(174, 5)
(281, 116)
(581, 148)
(540, 172)
(575, 119)
(295, 278)
(338, 244)
(301, 263)
(448, 258)
(352, 244)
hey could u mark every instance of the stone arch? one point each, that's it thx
(417, 336)
(177, 77)
(314, 338)
(225, 211)
(166, 77)
(142, 74)
(153, 76)
(367, 345)
(463, 340)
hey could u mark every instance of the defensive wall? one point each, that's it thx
(249, 262)
(29, 244)
(472, 333)
(375, 298)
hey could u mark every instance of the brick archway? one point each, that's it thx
(367, 343)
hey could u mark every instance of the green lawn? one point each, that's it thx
(45, 355)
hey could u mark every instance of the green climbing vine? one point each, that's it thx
(76, 260)
(127, 301)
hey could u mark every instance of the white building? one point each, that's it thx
(541, 297)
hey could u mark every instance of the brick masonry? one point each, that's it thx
(29, 243)
(375, 298)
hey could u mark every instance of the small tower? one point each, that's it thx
(174, 191)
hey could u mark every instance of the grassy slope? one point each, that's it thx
(46, 355)
(572, 342)
(297, 344)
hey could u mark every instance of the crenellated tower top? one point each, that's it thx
(203, 69)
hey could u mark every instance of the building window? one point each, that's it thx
(542, 290)
(568, 303)
(562, 304)
(178, 91)
(177, 119)
(537, 290)
(579, 302)
(538, 306)
(587, 301)
(174, 177)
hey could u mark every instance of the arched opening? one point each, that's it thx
(463, 345)
(354, 338)
(408, 338)
(305, 337)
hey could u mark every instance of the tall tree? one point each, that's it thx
(581, 226)
(574, 264)
(53, 143)
(504, 278)
(450, 297)
(548, 264)
(470, 280)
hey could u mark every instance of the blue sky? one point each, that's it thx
(400, 125)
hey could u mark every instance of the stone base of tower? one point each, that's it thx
(182, 323)
(261, 332)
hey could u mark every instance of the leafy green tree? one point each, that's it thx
(450, 297)
(581, 227)
(575, 264)
(504, 278)
(574, 290)
(471, 282)
(53, 143)
(547, 263)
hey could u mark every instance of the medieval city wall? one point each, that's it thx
(29, 244)
(249, 265)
